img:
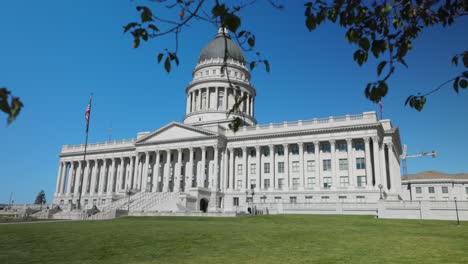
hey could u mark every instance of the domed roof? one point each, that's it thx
(215, 49)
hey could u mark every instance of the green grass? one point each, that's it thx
(262, 239)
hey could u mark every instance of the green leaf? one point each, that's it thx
(352, 35)
(455, 84)
(16, 106)
(364, 44)
(129, 26)
(160, 56)
(267, 65)
(252, 65)
(232, 22)
(465, 59)
(380, 67)
(310, 22)
(218, 10)
(153, 27)
(136, 42)
(360, 56)
(251, 41)
(387, 8)
(463, 83)
(167, 65)
(146, 15)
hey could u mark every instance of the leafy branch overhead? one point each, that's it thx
(387, 29)
(9, 104)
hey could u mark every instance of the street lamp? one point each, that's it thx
(252, 192)
(380, 187)
(129, 192)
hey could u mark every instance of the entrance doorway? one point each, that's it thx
(204, 205)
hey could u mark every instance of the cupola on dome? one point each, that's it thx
(215, 49)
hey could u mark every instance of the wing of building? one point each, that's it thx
(434, 185)
(200, 164)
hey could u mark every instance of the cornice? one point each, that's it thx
(245, 85)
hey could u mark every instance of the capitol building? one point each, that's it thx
(200, 165)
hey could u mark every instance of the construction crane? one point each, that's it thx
(405, 156)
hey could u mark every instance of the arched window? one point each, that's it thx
(220, 100)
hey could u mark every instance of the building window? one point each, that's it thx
(418, 190)
(253, 153)
(344, 181)
(280, 167)
(360, 199)
(325, 199)
(239, 184)
(360, 163)
(293, 199)
(266, 152)
(86, 202)
(203, 100)
(466, 190)
(311, 165)
(342, 198)
(310, 149)
(239, 153)
(280, 150)
(326, 148)
(277, 199)
(103, 201)
(343, 164)
(359, 145)
(310, 182)
(263, 199)
(295, 183)
(327, 165)
(445, 189)
(431, 190)
(327, 182)
(295, 166)
(220, 99)
(361, 181)
(266, 183)
(295, 150)
(342, 147)
(253, 168)
(214, 71)
(239, 169)
(308, 199)
(280, 183)
(253, 184)
(236, 201)
(266, 167)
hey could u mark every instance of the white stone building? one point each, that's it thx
(434, 185)
(200, 164)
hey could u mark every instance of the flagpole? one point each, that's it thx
(84, 155)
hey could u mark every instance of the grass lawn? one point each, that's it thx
(261, 239)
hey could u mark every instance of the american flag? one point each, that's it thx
(88, 113)
(380, 108)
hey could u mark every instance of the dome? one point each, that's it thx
(215, 49)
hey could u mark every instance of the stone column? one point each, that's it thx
(113, 170)
(375, 145)
(245, 168)
(129, 182)
(258, 169)
(102, 177)
(231, 169)
(178, 171)
(144, 174)
(286, 166)
(352, 177)
(62, 177)
(167, 175)
(70, 178)
(189, 169)
(335, 179)
(202, 177)
(59, 176)
(200, 97)
(84, 188)
(216, 106)
(226, 99)
(383, 168)
(208, 98)
(272, 165)
(226, 169)
(301, 166)
(92, 187)
(156, 172)
(393, 185)
(368, 162)
(318, 179)
(216, 169)
(120, 169)
(78, 175)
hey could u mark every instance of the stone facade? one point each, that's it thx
(333, 159)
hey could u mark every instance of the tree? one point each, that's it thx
(9, 104)
(40, 198)
(383, 29)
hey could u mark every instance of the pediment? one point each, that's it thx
(174, 132)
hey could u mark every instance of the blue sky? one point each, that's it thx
(53, 54)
